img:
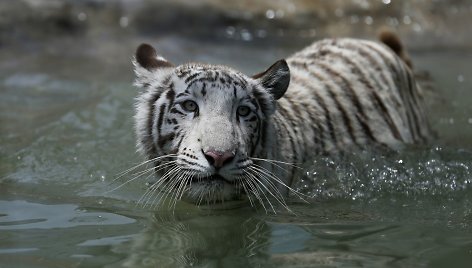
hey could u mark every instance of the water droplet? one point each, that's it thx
(102, 178)
(469, 120)
(460, 78)
(386, 1)
(270, 14)
(230, 31)
(82, 16)
(124, 22)
(368, 20)
(18, 157)
(246, 35)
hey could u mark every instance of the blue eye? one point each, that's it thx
(243, 111)
(189, 106)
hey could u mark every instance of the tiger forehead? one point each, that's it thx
(211, 74)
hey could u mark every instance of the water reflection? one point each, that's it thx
(226, 239)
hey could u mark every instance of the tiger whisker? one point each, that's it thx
(154, 187)
(156, 168)
(140, 174)
(275, 161)
(272, 176)
(166, 190)
(259, 183)
(246, 191)
(181, 189)
(122, 173)
(276, 193)
(255, 190)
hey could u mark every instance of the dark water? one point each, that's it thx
(66, 111)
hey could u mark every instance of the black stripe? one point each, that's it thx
(260, 97)
(204, 90)
(318, 131)
(181, 73)
(160, 118)
(174, 110)
(191, 77)
(376, 100)
(362, 78)
(171, 95)
(405, 93)
(346, 86)
(298, 112)
(258, 128)
(263, 133)
(252, 118)
(388, 62)
(414, 106)
(180, 141)
(367, 55)
(181, 94)
(152, 101)
(191, 163)
(165, 139)
(319, 100)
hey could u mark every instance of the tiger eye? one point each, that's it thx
(189, 106)
(243, 110)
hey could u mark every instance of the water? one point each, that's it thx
(67, 131)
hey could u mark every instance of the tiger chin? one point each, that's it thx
(214, 134)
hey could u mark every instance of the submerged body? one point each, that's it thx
(215, 134)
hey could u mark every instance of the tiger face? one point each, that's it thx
(202, 125)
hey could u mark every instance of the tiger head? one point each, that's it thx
(203, 125)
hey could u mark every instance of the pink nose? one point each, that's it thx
(218, 159)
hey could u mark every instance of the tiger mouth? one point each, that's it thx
(212, 178)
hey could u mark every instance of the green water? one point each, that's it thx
(66, 111)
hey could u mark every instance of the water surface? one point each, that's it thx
(66, 111)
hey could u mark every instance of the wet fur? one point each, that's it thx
(334, 95)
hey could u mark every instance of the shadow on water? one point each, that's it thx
(66, 130)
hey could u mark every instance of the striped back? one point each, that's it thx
(348, 93)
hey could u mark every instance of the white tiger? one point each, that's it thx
(215, 134)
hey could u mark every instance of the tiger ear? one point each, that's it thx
(147, 57)
(275, 79)
(149, 67)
